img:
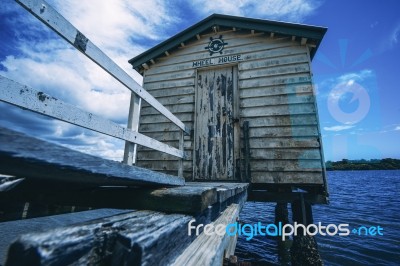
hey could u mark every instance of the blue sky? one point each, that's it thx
(355, 69)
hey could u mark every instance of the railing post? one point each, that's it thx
(181, 147)
(133, 124)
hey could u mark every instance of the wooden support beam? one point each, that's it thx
(247, 154)
(181, 147)
(252, 32)
(31, 158)
(268, 196)
(54, 20)
(198, 36)
(272, 35)
(303, 41)
(133, 124)
(167, 53)
(215, 29)
(39, 102)
(293, 38)
(152, 61)
(182, 44)
(233, 29)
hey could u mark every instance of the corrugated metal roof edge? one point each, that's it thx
(291, 29)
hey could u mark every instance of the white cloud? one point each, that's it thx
(88, 141)
(70, 77)
(390, 40)
(109, 23)
(397, 128)
(374, 24)
(394, 37)
(290, 10)
(348, 79)
(112, 25)
(356, 76)
(88, 88)
(338, 128)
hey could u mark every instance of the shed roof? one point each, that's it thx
(313, 33)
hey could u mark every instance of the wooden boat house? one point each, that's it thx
(244, 86)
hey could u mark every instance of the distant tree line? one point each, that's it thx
(373, 164)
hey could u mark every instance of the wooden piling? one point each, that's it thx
(304, 250)
(282, 216)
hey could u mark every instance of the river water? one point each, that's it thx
(357, 198)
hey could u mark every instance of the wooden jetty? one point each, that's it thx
(228, 115)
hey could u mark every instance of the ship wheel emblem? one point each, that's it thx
(216, 45)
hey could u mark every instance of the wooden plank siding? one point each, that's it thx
(275, 96)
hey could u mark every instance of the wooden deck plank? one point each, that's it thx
(224, 190)
(28, 157)
(130, 238)
(134, 238)
(11, 230)
(210, 250)
(189, 199)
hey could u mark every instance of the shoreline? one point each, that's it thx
(332, 170)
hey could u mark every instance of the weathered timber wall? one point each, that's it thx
(276, 97)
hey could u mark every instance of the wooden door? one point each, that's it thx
(215, 119)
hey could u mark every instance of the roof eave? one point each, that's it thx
(290, 29)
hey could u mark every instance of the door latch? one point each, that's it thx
(224, 111)
(234, 120)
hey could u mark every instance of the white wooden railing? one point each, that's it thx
(37, 101)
